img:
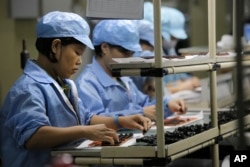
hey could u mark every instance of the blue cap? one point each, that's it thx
(149, 15)
(148, 11)
(64, 24)
(117, 32)
(173, 23)
(165, 25)
(146, 30)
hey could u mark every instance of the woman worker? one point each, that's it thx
(117, 96)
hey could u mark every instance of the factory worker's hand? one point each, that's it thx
(150, 112)
(101, 133)
(178, 106)
(136, 121)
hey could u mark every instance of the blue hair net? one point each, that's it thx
(148, 11)
(64, 24)
(146, 30)
(117, 32)
(173, 23)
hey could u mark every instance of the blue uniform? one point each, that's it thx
(108, 97)
(176, 77)
(36, 100)
(144, 53)
(140, 80)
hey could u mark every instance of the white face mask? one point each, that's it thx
(169, 44)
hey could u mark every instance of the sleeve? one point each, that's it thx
(167, 112)
(93, 98)
(138, 97)
(84, 113)
(26, 114)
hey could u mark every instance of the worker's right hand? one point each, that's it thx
(101, 133)
(136, 121)
(178, 106)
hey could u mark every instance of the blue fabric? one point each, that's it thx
(175, 77)
(172, 21)
(123, 33)
(146, 30)
(149, 11)
(144, 53)
(35, 100)
(64, 24)
(139, 82)
(107, 97)
(175, 23)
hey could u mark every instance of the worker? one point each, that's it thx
(172, 26)
(146, 84)
(42, 110)
(109, 95)
(146, 40)
(173, 30)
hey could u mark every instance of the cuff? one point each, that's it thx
(116, 121)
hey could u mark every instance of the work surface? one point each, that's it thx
(135, 152)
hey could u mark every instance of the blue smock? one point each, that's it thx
(140, 80)
(35, 100)
(144, 53)
(108, 97)
(171, 78)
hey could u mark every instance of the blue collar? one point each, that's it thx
(36, 72)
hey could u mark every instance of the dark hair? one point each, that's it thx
(98, 51)
(43, 45)
(142, 41)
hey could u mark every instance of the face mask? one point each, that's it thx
(169, 44)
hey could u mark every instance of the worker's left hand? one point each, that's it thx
(137, 121)
(178, 106)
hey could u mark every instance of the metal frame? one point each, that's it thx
(163, 154)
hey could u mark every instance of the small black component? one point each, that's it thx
(122, 137)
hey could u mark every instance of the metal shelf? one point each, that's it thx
(139, 63)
